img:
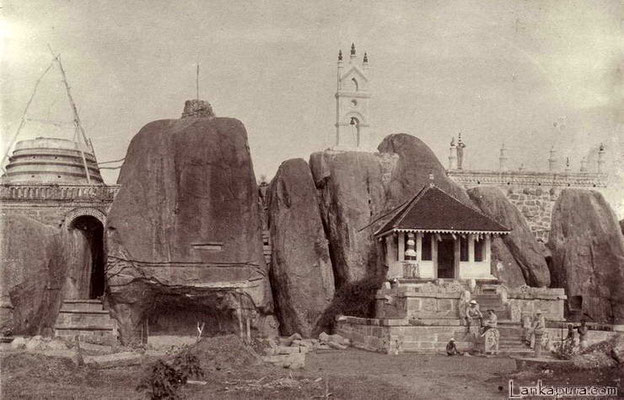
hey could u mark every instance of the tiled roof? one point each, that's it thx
(433, 210)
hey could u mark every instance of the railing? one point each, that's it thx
(58, 192)
(529, 178)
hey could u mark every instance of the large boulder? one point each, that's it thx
(301, 271)
(416, 163)
(185, 228)
(588, 254)
(33, 271)
(523, 253)
(351, 193)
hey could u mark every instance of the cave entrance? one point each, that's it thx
(181, 314)
(93, 231)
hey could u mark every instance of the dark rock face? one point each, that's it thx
(524, 254)
(301, 271)
(588, 254)
(415, 163)
(351, 192)
(186, 220)
(33, 272)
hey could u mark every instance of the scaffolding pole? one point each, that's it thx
(76, 116)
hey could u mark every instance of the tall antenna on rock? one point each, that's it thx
(197, 82)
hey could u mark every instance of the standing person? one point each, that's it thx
(582, 330)
(539, 328)
(491, 321)
(473, 313)
(491, 333)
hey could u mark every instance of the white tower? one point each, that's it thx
(502, 159)
(452, 155)
(352, 111)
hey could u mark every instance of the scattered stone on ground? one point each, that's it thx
(606, 354)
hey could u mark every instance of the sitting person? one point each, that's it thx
(451, 348)
(582, 331)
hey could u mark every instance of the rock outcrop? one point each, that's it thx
(588, 255)
(186, 224)
(351, 193)
(416, 162)
(301, 273)
(524, 254)
(33, 271)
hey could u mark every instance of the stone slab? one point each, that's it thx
(114, 360)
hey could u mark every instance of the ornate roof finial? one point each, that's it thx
(431, 179)
(352, 49)
(453, 141)
(567, 161)
(365, 58)
(602, 147)
(339, 55)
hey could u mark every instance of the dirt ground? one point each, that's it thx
(349, 374)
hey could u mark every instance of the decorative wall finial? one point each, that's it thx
(339, 55)
(365, 58)
(453, 141)
(353, 49)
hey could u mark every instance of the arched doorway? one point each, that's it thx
(93, 231)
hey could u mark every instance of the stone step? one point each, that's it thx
(91, 331)
(88, 305)
(84, 318)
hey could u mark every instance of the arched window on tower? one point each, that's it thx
(355, 123)
(355, 84)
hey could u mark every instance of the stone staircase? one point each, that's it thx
(84, 318)
(510, 342)
(492, 301)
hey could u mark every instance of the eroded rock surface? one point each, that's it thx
(588, 254)
(351, 192)
(186, 221)
(33, 272)
(524, 253)
(301, 273)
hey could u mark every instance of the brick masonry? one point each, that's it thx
(56, 205)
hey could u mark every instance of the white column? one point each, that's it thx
(389, 255)
(471, 248)
(401, 246)
(488, 250)
(419, 236)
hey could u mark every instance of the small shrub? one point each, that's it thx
(164, 380)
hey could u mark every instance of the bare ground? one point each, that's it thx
(350, 374)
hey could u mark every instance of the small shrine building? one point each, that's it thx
(435, 236)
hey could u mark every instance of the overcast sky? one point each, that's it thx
(531, 74)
